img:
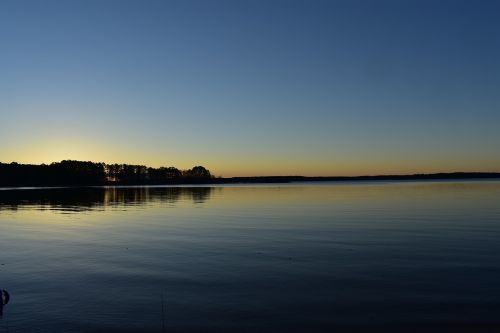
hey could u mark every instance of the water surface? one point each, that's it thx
(330, 257)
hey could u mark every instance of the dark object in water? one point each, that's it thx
(4, 299)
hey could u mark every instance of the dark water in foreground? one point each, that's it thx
(360, 257)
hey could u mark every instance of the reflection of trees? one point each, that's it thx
(89, 198)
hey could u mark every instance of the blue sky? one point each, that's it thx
(253, 87)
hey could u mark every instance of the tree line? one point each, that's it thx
(78, 173)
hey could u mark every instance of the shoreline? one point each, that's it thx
(276, 180)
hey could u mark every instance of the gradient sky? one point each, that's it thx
(253, 87)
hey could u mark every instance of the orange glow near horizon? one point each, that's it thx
(227, 167)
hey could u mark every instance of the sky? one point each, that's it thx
(256, 87)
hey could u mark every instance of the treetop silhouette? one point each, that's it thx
(80, 173)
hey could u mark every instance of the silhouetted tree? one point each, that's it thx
(197, 172)
(77, 173)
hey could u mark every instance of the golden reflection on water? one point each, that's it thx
(335, 251)
(42, 204)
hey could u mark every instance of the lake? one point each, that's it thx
(310, 257)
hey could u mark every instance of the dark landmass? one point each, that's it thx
(77, 173)
(432, 176)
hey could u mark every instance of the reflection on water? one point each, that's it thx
(361, 257)
(88, 198)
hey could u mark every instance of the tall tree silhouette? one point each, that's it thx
(78, 173)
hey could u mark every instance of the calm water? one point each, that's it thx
(339, 257)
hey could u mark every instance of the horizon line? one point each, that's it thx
(289, 175)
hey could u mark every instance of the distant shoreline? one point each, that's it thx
(432, 176)
(69, 173)
(290, 179)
